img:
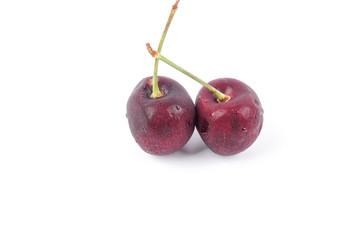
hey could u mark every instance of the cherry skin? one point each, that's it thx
(229, 128)
(161, 125)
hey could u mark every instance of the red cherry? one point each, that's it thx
(230, 127)
(161, 125)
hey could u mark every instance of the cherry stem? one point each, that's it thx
(221, 97)
(156, 93)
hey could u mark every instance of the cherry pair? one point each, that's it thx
(162, 116)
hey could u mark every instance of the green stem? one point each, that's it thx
(221, 96)
(156, 93)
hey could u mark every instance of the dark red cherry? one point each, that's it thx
(230, 127)
(161, 125)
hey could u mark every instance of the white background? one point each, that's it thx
(70, 169)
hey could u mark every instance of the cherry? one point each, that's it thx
(229, 113)
(161, 125)
(160, 112)
(229, 127)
